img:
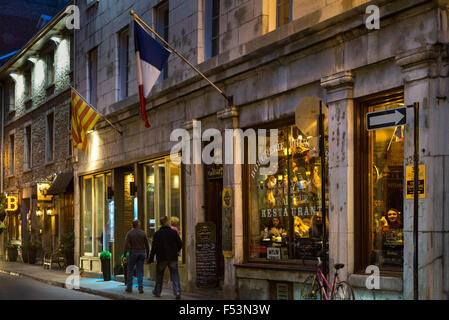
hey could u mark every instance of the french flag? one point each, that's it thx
(151, 58)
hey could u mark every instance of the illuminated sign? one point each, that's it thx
(42, 189)
(12, 203)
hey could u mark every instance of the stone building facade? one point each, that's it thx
(269, 63)
(37, 152)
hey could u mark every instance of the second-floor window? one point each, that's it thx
(161, 24)
(49, 141)
(283, 12)
(92, 65)
(50, 68)
(211, 27)
(10, 96)
(123, 61)
(11, 154)
(27, 148)
(27, 83)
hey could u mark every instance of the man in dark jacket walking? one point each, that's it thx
(136, 243)
(166, 246)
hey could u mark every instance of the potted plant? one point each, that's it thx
(12, 251)
(105, 258)
(67, 247)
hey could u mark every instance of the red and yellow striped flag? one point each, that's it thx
(83, 120)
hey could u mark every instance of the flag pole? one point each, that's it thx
(229, 99)
(109, 122)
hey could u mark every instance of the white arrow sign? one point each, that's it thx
(386, 118)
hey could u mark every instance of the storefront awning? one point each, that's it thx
(63, 183)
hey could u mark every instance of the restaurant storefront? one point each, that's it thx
(338, 188)
(286, 208)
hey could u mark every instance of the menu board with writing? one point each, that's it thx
(206, 252)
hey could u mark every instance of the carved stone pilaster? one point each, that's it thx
(339, 86)
(419, 63)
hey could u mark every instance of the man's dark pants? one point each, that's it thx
(135, 259)
(173, 267)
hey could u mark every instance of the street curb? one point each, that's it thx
(62, 285)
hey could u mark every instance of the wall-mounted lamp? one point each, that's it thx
(51, 212)
(55, 39)
(39, 212)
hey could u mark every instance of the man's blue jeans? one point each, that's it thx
(135, 259)
(160, 268)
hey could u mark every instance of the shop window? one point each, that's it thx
(99, 212)
(162, 192)
(94, 210)
(380, 199)
(285, 209)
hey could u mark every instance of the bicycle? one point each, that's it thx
(314, 286)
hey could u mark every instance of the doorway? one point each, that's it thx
(214, 189)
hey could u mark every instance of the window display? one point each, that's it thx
(386, 186)
(162, 195)
(93, 209)
(285, 208)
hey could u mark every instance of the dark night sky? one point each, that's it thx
(19, 19)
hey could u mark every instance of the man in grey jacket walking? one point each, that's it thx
(136, 243)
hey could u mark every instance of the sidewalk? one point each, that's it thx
(109, 289)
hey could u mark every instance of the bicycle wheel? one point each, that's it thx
(311, 289)
(344, 291)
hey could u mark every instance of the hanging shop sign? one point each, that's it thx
(227, 197)
(206, 252)
(12, 203)
(386, 118)
(409, 173)
(226, 228)
(42, 189)
(214, 171)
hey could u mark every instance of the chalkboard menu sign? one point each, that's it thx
(206, 252)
